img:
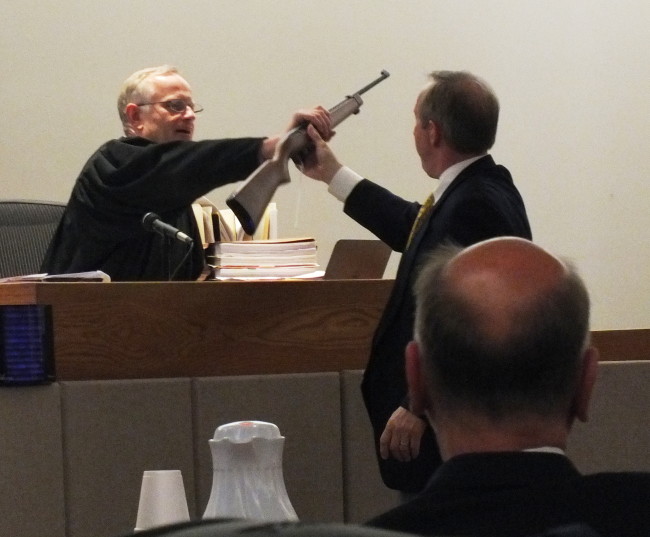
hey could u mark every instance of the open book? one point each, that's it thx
(217, 225)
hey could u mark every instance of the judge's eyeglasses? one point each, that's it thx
(177, 106)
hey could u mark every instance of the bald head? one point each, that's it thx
(502, 326)
(501, 279)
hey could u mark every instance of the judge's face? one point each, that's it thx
(161, 120)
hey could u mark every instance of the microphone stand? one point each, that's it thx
(152, 222)
(166, 252)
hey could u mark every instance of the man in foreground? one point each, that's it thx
(456, 118)
(502, 366)
(155, 168)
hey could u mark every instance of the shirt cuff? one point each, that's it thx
(343, 182)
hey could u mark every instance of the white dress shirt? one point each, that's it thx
(346, 179)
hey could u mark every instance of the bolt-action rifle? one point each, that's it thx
(249, 201)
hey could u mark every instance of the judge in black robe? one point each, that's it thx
(102, 229)
(156, 168)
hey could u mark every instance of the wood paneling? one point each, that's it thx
(193, 329)
(149, 330)
(616, 345)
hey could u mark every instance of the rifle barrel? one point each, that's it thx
(384, 74)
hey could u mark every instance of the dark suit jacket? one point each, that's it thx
(481, 203)
(523, 493)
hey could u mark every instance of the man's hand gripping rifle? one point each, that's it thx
(249, 201)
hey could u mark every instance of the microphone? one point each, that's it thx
(152, 222)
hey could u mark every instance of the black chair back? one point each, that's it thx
(26, 228)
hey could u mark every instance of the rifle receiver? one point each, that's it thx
(249, 201)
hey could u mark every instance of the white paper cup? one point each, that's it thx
(162, 499)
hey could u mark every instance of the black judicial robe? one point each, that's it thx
(101, 228)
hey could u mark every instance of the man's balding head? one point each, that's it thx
(502, 279)
(502, 326)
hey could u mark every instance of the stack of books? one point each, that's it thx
(265, 259)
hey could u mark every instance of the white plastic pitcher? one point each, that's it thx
(247, 477)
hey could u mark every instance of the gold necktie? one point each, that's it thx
(422, 214)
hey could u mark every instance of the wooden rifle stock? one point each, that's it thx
(249, 201)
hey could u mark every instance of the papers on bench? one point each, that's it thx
(91, 276)
(266, 259)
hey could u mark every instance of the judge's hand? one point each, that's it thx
(320, 164)
(402, 435)
(319, 117)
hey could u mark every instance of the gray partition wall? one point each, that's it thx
(365, 494)
(617, 435)
(31, 462)
(306, 409)
(112, 432)
(72, 454)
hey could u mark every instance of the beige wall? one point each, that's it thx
(572, 78)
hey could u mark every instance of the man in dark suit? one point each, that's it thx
(501, 364)
(456, 117)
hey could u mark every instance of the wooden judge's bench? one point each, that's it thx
(144, 373)
(189, 329)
